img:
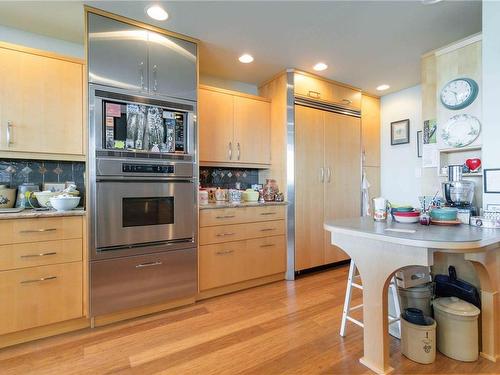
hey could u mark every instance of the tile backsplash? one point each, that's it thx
(14, 172)
(226, 178)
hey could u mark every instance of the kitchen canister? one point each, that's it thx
(418, 297)
(203, 196)
(7, 197)
(380, 206)
(457, 328)
(234, 196)
(418, 342)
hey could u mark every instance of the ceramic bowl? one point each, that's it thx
(402, 209)
(250, 195)
(43, 197)
(407, 217)
(7, 197)
(62, 203)
(444, 214)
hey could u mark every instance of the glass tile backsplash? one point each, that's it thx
(226, 178)
(14, 172)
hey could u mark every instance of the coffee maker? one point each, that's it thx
(459, 193)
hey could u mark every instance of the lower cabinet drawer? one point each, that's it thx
(39, 296)
(239, 232)
(39, 253)
(233, 262)
(125, 283)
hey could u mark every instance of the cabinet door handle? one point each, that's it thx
(149, 264)
(267, 213)
(314, 94)
(224, 252)
(322, 174)
(268, 245)
(347, 101)
(225, 234)
(224, 217)
(10, 126)
(239, 150)
(39, 280)
(38, 255)
(328, 174)
(155, 78)
(141, 72)
(230, 150)
(268, 229)
(38, 230)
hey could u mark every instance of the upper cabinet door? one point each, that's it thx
(118, 54)
(172, 66)
(252, 130)
(215, 124)
(41, 104)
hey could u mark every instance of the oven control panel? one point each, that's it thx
(147, 168)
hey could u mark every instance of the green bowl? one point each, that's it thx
(444, 214)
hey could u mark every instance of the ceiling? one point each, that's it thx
(365, 43)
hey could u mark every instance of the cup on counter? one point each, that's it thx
(203, 196)
(234, 196)
(220, 195)
(380, 207)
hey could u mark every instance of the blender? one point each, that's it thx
(459, 193)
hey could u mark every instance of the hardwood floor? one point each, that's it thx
(280, 328)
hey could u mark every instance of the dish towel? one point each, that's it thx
(365, 185)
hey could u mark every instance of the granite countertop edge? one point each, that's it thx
(30, 214)
(212, 206)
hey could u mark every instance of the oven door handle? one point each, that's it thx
(146, 179)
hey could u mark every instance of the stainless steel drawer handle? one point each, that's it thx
(268, 245)
(314, 94)
(347, 101)
(38, 255)
(224, 217)
(230, 150)
(225, 234)
(224, 252)
(38, 230)
(267, 229)
(39, 280)
(267, 213)
(239, 150)
(149, 264)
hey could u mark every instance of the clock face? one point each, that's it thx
(459, 93)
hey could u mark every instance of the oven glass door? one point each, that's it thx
(138, 212)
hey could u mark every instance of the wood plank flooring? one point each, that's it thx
(280, 328)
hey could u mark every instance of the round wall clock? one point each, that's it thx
(459, 93)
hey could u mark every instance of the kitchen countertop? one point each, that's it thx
(30, 214)
(239, 205)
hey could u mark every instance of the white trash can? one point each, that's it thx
(418, 297)
(418, 342)
(457, 328)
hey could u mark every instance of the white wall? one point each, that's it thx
(491, 95)
(27, 39)
(400, 166)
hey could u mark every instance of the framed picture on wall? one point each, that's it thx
(420, 141)
(400, 132)
(492, 180)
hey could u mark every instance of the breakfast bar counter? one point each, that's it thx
(379, 249)
(32, 214)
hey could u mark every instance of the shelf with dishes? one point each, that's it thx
(468, 157)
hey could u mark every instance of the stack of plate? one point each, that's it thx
(445, 216)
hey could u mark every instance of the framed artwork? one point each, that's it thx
(492, 180)
(400, 132)
(420, 141)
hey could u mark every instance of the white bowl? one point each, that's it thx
(64, 203)
(406, 219)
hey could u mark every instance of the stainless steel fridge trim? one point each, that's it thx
(112, 94)
(327, 107)
(290, 175)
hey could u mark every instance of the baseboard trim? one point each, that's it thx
(36, 333)
(239, 286)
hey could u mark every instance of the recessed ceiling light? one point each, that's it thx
(430, 2)
(383, 87)
(320, 66)
(246, 58)
(156, 12)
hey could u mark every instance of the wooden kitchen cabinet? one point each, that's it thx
(370, 129)
(247, 248)
(41, 102)
(234, 128)
(318, 88)
(328, 181)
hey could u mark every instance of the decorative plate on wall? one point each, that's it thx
(459, 93)
(461, 130)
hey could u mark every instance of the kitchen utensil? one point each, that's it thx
(64, 203)
(425, 218)
(461, 130)
(43, 197)
(402, 209)
(380, 206)
(444, 214)
(474, 164)
(450, 286)
(7, 197)
(406, 217)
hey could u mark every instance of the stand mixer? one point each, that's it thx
(459, 193)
